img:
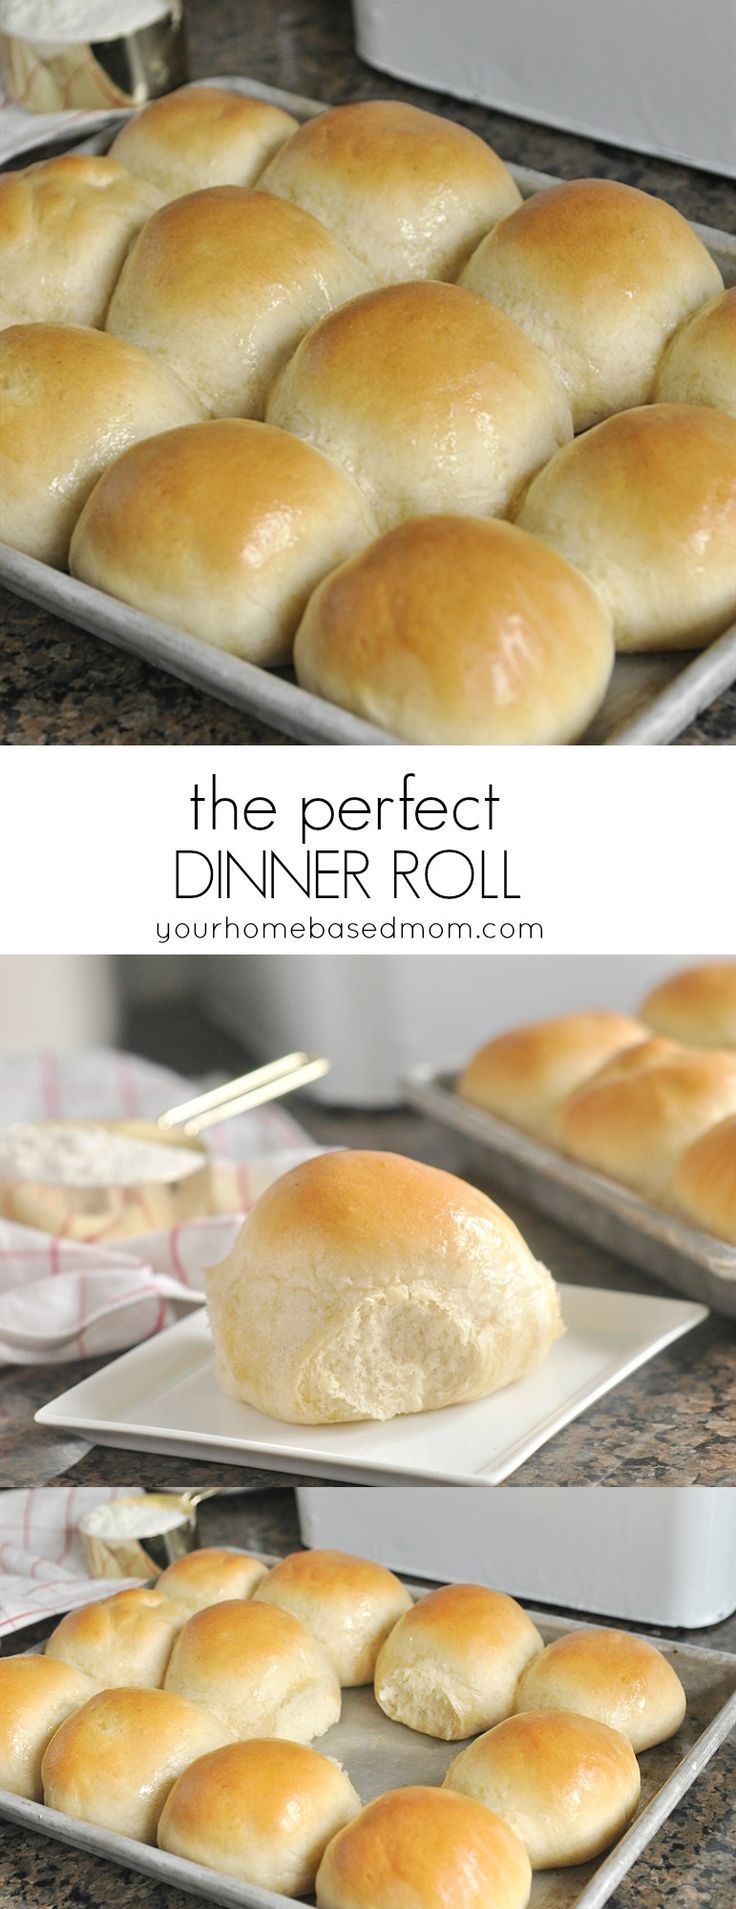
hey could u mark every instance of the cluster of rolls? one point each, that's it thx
(649, 1102)
(184, 1717)
(310, 393)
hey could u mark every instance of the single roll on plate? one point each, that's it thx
(114, 1762)
(349, 1603)
(262, 1812)
(201, 136)
(424, 1849)
(612, 1677)
(645, 505)
(452, 1664)
(524, 1076)
(65, 227)
(259, 1669)
(210, 1576)
(222, 529)
(125, 1639)
(696, 1006)
(643, 1109)
(699, 363)
(410, 193)
(71, 399)
(430, 400)
(599, 275)
(704, 1185)
(455, 630)
(364, 1285)
(222, 285)
(36, 1696)
(567, 1785)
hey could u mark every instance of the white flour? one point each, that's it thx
(60, 22)
(89, 1156)
(131, 1518)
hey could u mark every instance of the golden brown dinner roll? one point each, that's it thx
(611, 1676)
(696, 1006)
(125, 1639)
(430, 400)
(452, 1664)
(223, 530)
(349, 1603)
(645, 505)
(71, 399)
(704, 1185)
(598, 274)
(449, 629)
(409, 193)
(364, 1285)
(524, 1076)
(65, 227)
(424, 1849)
(114, 1762)
(640, 1112)
(201, 136)
(210, 1576)
(567, 1785)
(36, 1695)
(223, 284)
(257, 1667)
(262, 1812)
(699, 363)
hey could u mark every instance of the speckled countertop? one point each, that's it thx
(689, 1865)
(59, 685)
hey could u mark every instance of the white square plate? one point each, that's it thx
(163, 1397)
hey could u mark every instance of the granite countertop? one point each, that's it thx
(668, 1424)
(60, 685)
(689, 1865)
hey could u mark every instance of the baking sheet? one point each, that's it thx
(678, 1255)
(380, 1755)
(162, 1396)
(651, 699)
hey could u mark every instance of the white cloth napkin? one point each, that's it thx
(60, 1300)
(21, 131)
(43, 1568)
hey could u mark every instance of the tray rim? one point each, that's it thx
(266, 695)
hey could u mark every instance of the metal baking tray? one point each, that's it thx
(672, 1252)
(651, 699)
(380, 1755)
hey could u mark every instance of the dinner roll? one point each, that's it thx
(645, 505)
(567, 1785)
(640, 1112)
(364, 1285)
(409, 193)
(65, 227)
(201, 136)
(210, 1576)
(696, 1006)
(259, 1669)
(114, 1762)
(262, 1812)
(612, 1677)
(124, 1639)
(36, 1695)
(424, 1849)
(71, 399)
(704, 1185)
(449, 629)
(699, 364)
(223, 284)
(221, 529)
(524, 1076)
(430, 400)
(598, 274)
(349, 1604)
(452, 1664)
